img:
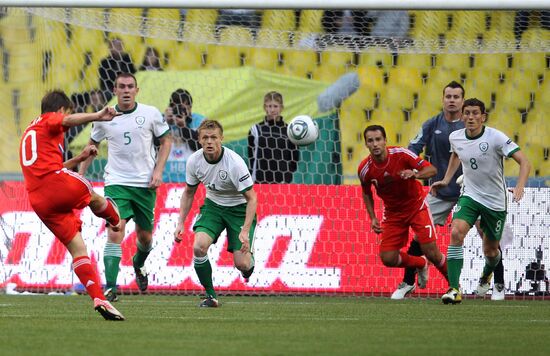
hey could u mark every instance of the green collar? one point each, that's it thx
(475, 137)
(215, 161)
(128, 111)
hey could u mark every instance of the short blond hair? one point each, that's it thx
(210, 125)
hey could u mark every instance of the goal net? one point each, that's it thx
(345, 69)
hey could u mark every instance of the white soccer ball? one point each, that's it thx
(302, 130)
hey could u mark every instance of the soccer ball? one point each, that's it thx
(302, 130)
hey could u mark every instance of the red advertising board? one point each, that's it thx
(309, 238)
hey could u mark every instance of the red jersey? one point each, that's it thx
(399, 195)
(42, 147)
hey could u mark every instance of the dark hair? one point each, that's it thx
(474, 102)
(210, 125)
(374, 128)
(453, 85)
(125, 75)
(181, 96)
(55, 100)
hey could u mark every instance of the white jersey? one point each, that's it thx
(483, 166)
(225, 179)
(131, 152)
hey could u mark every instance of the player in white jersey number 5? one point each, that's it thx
(481, 151)
(230, 205)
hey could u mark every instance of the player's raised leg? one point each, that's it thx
(88, 277)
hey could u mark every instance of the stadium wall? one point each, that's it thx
(310, 239)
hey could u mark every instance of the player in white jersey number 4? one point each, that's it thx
(481, 151)
(230, 205)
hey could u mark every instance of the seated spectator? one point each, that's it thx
(390, 28)
(151, 60)
(116, 62)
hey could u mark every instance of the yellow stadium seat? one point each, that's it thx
(500, 40)
(334, 63)
(453, 61)
(406, 78)
(422, 61)
(440, 77)
(310, 21)
(272, 39)
(184, 57)
(196, 36)
(364, 99)
(164, 14)
(502, 20)
(430, 99)
(24, 63)
(44, 30)
(493, 61)
(392, 119)
(536, 61)
(376, 58)
(264, 58)
(410, 130)
(84, 39)
(466, 21)
(532, 38)
(201, 16)
(220, 57)
(514, 97)
(429, 24)
(371, 77)
(299, 63)
(280, 20)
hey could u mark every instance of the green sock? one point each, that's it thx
(490, 264)
(455, 260)
(141, 254)
(204, 271)
(111, 259)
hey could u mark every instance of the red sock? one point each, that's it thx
(411, 261)
(442, 267)
(108, 213)
(88, 277)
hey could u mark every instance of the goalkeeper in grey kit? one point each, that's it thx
(230, 204)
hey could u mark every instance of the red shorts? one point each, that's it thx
(395, 229)
(61, 193)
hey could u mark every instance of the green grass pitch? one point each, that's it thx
(174, 325)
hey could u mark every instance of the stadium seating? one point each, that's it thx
(201, 16)
(279, 20)
(310, 21)
(299, 63)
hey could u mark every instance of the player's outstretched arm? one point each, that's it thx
(105, 114)
(185, 206)
(454, 163)
(524, 169)
(88, 151)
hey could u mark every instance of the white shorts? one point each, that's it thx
(440, 209)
